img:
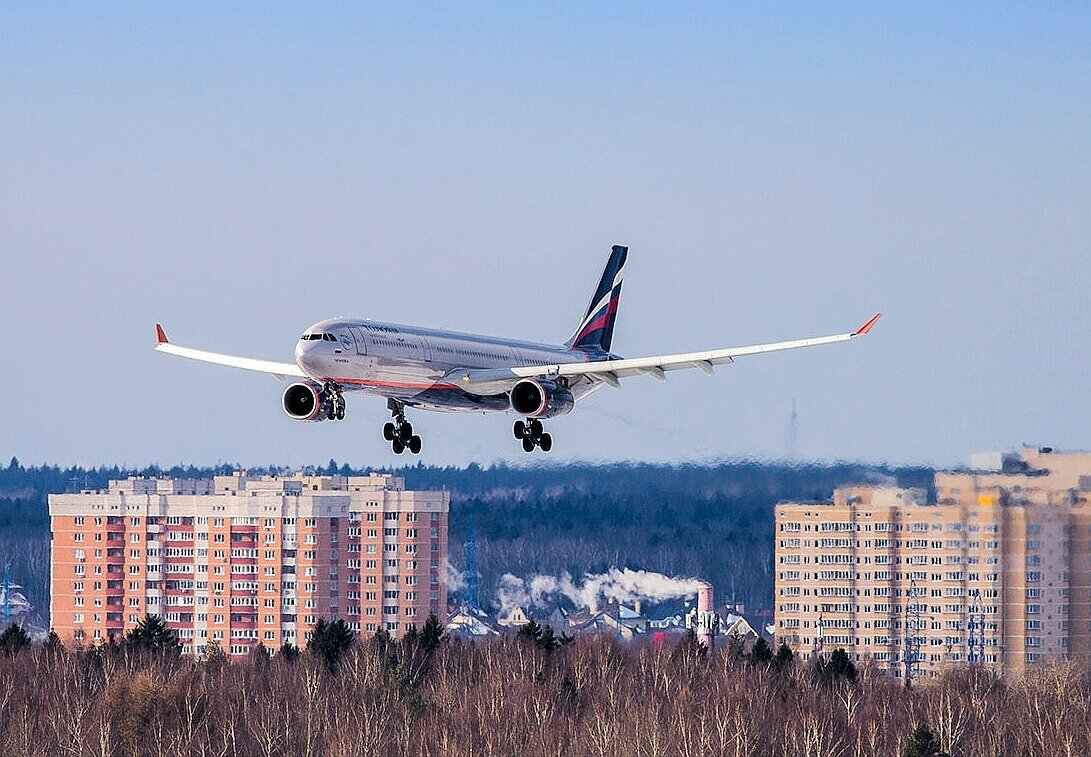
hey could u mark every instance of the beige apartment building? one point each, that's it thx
(994, 569)
(239, 561)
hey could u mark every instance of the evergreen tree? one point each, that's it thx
(735, 646)
(432, 634)
(289, 652)
(214, 657)
(259, 656)
(530, 631)
(784, 657)
(53, 642)
(922, 743)
(152, 634)
(329, 641)
(837, 666)
(541, 636)
(13, 640)
(760, 653)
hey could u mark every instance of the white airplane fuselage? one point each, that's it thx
(414, 364)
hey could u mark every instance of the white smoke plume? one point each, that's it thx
(455, 578)
(621, 585)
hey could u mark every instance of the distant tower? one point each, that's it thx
(975, 643)
(914, 627)
(793, 431)
(471, 599)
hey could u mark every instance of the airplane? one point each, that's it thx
(448, 371)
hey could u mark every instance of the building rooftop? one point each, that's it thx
(242, 481)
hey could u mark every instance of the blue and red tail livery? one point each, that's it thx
(596, 330)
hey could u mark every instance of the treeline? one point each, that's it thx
(518, 695)
(711, 521)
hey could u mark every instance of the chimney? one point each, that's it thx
(636, 607)
(705, 614)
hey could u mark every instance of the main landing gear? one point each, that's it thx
(399, 432)
(532, 434)
(333, 403)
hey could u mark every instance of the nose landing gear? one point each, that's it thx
(532, 435)
(399, 432)
(333, 403)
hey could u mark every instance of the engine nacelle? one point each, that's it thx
(540, 399)
(303, 401)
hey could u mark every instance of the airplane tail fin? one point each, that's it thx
(596, 329)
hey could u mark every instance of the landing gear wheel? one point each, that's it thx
(388, 432)
(414, 444)
(398, 446)
(331, 412)
(528, 444)
(546, 442)
(341, 411)
(406, 431)
(520, 430)
(536, 428)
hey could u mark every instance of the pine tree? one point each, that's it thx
(530, 631)
(329, 641)
(922, 743)
(432, 633)
(784, 657)
(152, 634)
(53, 642)
(735, 646)
(13, 640)
(760, 653)
(837, 666)
(214, 657)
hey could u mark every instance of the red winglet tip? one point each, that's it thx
(160, 335)
(867, 326)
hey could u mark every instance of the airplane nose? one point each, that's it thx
(304, 353)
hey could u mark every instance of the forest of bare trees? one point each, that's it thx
(518, 696)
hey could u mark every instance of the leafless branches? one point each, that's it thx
(593, 697)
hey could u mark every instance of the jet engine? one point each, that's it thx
(540, 399)
(303, 401)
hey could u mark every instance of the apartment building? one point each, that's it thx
(240, 560)
(994, 569)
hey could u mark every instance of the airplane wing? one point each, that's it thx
(612, 371)
(279, 370)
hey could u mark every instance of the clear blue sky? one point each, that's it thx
(240, 171)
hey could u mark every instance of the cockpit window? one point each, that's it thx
(329, 337)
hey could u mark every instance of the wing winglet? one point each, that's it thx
(867, 326)
(160, 335)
